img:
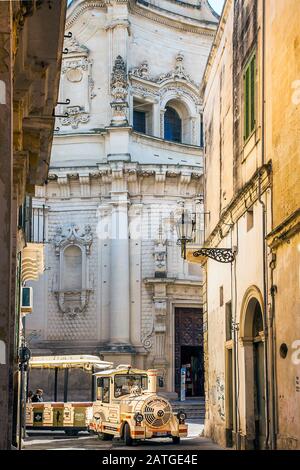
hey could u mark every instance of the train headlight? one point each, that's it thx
(97, 416)
(181, 416)
(138, 417)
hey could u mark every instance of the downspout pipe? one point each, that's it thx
(265, 320)
(272, 334)
(268, 318)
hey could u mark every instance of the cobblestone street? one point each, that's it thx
(59, 441)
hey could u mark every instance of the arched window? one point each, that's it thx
(72, 276)
(172, 125)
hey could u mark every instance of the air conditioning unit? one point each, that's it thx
(26, 300)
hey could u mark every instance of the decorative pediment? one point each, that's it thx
(74, 48)
(72, 235)
(142, 72)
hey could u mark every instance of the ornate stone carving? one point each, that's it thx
(71, 236)
(72, 302)
(177, 73)
(119, 87)
(142, 71)
(160, 330)
(77, 69)
(160, 258)
(76, 116)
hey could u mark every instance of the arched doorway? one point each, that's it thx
(252, 336)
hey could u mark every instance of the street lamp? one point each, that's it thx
(184, 227)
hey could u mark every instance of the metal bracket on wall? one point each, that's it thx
(222, 255)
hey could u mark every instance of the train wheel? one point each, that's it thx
(176, 439)
(71, 432)
(127, 436)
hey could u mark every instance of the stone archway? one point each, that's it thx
(253, 343)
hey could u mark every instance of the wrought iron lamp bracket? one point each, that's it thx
(222, 255)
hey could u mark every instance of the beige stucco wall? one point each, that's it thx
(282, 140)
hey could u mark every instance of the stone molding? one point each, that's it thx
(77, 67)
(125, 177)
(191, 26)
(177, 73)
(70, 235)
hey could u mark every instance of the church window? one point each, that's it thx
(142, 116)
(172, 125)
(249, 97)
(139, 121)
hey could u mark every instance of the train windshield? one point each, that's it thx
(129, 383)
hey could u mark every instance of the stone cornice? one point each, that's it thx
(180, 23)
(216, 43)
(245, 198)
(284, 231)
(124, 177)
(127, 169)
(82, 7)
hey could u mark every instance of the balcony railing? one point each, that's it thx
(32, 221)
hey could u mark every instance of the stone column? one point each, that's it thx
(119, 280)
(6, 191)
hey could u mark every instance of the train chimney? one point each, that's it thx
(152, 374)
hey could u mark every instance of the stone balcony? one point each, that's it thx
(148, 149)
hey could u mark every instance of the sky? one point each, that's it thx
(217, 5)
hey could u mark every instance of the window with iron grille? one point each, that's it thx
(249, 97)
(172, 124)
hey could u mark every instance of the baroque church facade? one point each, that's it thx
(127, 155)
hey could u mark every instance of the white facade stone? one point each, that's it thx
(124, 184)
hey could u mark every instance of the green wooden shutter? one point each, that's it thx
(249, 98)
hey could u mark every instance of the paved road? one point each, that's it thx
(59, 441)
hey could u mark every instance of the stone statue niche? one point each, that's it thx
(72, 246)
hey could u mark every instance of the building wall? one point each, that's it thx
(236, 181)
(283, 148)
(260, 174)
(105, 175)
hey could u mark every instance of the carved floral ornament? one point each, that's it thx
(119, 91)
(177, 73)
(72, 236)
(77, 70)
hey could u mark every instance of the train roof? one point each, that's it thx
(86, 362)
(120, 370)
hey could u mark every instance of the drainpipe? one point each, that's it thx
(272, 334)
(235, 346)
(265, 274)
(268, 318)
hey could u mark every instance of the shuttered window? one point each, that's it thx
(249, 97)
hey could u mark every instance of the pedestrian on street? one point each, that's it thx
(38, 396)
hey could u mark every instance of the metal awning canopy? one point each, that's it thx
(86, 362)
(122, 371)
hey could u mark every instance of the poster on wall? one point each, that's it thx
(182, 383)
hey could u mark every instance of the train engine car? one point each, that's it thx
(128, 407)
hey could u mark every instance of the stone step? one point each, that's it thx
(191, 408)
